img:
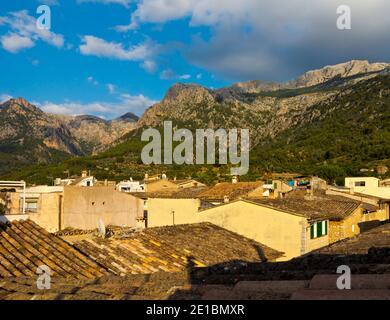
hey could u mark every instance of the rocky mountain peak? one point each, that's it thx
(343, 70)
(21, 106)
(128, 117)
(180, 91)
(21, 101)
(309, 78)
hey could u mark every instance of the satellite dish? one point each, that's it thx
(102, 228)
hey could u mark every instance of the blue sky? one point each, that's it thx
(108, 57)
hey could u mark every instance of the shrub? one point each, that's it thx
(2, 209)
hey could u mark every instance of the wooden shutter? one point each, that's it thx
(319, 229)
(312, 231)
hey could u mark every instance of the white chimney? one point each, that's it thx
(234, 179)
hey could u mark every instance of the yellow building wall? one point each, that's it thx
(313, 244)
(351, 226)
(166, 212)
(48, 211)
(13, 203)
(276, 229)
(380, 215)
(160, 185)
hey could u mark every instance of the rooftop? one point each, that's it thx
(321, 206)
(24, 246)
(186, 193)
(173, 249)
(378, 237)
(235, 280)
(231, 190)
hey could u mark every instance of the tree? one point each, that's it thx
(330, 172)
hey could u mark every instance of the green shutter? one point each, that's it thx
(319, 229)
(312, 231)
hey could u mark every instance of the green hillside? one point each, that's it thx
(350, 132)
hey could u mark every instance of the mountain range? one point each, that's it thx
(29, 135)
(337, 115)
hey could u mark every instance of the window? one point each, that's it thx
(31, 206)
(318, 229)
(360, 183)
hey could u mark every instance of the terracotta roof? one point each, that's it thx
(186, 193)
(321, 206)
(314, 209)
(231, 190)
(235, 280)
(24, 246)
(173, 248)
(375, 238)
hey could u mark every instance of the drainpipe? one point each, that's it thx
(24, 197)
(173, 216)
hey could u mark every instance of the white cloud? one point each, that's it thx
(185, 77)
(49, 2)
(262, 39)
(14, 43)
(111, 88)
(25, 33)
(4, 97)
(125, 3)
(108, 110)
(92, 80)
(150, 66)
(168, 74)
(95, 46)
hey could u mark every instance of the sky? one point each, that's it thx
(109, 57)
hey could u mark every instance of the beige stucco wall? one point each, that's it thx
(49, 206)
(83, 207)
(278, 230)
(48, 211)
(160, 211)
(372, 184)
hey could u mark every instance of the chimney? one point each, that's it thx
(226, 199)
(146, 177)
(84, 173)
(309, 195)
(234, 179)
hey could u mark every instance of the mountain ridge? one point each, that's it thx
(30, 135)
(268, 110)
